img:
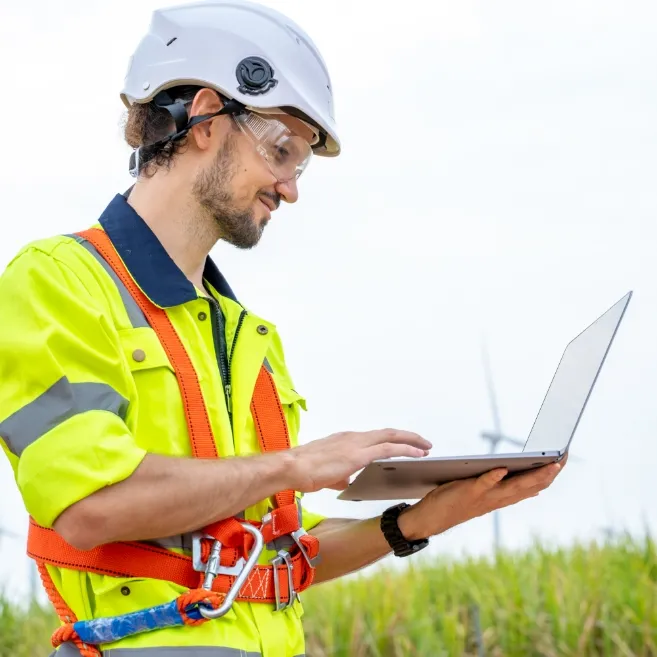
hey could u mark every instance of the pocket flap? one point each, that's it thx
(286, 393)
(143, 350)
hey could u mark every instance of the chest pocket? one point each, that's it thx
(156, 413)
(292, 403)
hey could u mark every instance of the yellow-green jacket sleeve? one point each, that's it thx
(64, 386)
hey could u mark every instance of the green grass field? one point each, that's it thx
(581, 601)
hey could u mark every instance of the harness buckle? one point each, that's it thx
(241, 570)
(283, 556)
(200, 566)
(296, 537)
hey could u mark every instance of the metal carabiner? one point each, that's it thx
(283, 556)
(214, 568)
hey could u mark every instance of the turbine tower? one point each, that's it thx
(495, 437)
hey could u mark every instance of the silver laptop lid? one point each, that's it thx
(573, 382)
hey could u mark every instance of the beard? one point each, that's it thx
(212, 190)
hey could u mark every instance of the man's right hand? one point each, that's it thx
(329, 462)
(157, 499)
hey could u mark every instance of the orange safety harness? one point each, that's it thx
(220, 548)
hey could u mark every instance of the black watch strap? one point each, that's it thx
(397, 541)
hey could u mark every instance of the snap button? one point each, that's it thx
(139, 355)
(263, 330)
(125, 590)
(202, 316)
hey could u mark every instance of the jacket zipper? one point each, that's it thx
(228, 388)
(237, 331)
(221, 349)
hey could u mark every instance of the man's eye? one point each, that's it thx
(281, 154)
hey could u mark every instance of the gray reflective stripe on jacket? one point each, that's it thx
(70, 650)
(67, 649)
(61, 401)
(135, 314)
(180, 651)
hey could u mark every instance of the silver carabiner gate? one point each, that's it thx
(214, 568)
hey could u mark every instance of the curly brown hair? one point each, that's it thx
(146, 123)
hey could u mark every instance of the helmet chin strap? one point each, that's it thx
(178, 112)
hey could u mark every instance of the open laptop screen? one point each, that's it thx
(573, 382)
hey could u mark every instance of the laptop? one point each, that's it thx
(549, 439)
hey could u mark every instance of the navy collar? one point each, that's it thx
(147, 260)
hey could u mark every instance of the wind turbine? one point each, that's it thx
(496, 437)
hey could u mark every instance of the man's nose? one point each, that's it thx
(288, 190)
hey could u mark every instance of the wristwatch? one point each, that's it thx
(397, 541)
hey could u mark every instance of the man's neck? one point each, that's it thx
(175, 221)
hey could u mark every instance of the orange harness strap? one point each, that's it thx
(198, 422)
(137, 559)
(143, 560)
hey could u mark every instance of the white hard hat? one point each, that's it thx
(245, 51)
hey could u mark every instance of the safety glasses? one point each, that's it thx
(286, 154)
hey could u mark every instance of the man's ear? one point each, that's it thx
(206, 102)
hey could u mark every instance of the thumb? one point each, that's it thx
(490, 479)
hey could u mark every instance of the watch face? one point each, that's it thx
(412, 548)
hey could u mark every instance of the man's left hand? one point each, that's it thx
(459, 501)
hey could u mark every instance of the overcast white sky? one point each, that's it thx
(498, 179)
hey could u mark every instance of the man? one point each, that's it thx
(150, 419)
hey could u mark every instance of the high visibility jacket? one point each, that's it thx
(87, 390)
